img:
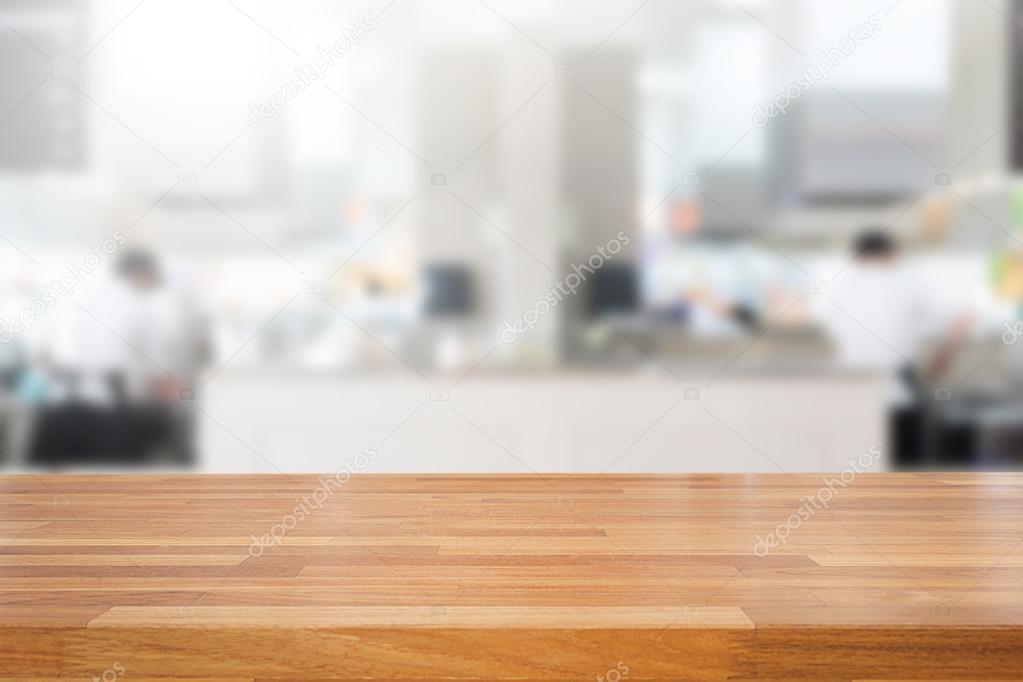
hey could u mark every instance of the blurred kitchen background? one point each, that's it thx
(495, 235)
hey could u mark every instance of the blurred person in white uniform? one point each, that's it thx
(166, 343)
(164, 336)
(881, 313)
(128, 353)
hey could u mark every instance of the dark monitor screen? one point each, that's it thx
(614, 289)
(449, 290)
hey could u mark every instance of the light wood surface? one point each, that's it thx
(898, 576)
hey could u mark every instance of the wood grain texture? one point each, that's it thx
(897, 577)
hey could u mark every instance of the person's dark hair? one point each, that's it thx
(874, 243)
(136, 263)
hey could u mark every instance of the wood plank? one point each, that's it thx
(898, 577)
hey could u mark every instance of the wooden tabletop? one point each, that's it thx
(871, 576)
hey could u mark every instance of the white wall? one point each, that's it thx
(560, 423)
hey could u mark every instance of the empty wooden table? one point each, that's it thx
(768, 577)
